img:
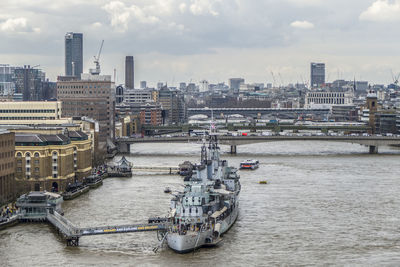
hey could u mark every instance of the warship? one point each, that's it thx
(209, 204)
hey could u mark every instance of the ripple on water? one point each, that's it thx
(326, 203)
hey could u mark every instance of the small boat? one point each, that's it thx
(74, 190)
(262, 182)
(167, 190)
(94, 181)
(250, 164)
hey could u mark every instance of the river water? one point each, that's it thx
(326, 203)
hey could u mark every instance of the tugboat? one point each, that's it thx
(209, 205)
(250, 164)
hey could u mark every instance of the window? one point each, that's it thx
(37, 155)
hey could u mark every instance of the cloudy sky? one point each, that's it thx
(183, 40)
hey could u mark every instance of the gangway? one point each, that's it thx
(130, 228)
(72, 233)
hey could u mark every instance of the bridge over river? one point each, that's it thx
(373, 142)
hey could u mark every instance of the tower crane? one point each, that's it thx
(96, 61)
(273, 78)
(395, 78)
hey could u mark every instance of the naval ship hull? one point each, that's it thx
(191, 241)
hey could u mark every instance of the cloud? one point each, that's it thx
(121, 15)
(305, 2)
(203, 7)
(182, 7)
(17, 25)
(96, 24)
(382, 10)
(302, 24)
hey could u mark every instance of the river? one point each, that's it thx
(325, 204)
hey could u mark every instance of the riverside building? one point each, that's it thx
(51, 161)
(7, 166)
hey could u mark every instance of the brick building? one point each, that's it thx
(7, 165)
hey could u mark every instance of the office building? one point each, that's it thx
(160, 85)
(203, 86)
(92, 96)
(317, 75)
(173, 105)
(129, 72)
(234, 83)
(7, 86)
(31, 112)
(138, 96)
(7, 166)
(151, 114)
(143, 84)
(73, 54)
(327, 99)
(29, 83)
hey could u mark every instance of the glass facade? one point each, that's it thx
(73, 54)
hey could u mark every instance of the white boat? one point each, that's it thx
(250, 164)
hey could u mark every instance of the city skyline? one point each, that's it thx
(174, 41)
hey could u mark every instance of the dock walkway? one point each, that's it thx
(72, 233)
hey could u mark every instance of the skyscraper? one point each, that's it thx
(234, 83)
(129, 73)
(317, 74)
(73, 54)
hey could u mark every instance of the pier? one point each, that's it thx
(163, 169)
(46, 207)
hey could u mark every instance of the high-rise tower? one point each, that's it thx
(129, 73)
(317, 74)
(73, 54)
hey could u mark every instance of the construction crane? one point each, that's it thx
(273, 78)
(395, 78)
(282, 82)
(96, 61)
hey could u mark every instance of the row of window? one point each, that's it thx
(36, 154)
(81, 92)
(5, 143)
(9, 154)
(26, 118)
(6, 166)
(104, 86)
(325, 95)
(27, 110)
(326, 100)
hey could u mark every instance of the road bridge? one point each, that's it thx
(373, 142)
(167, 129)
(283, 113)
